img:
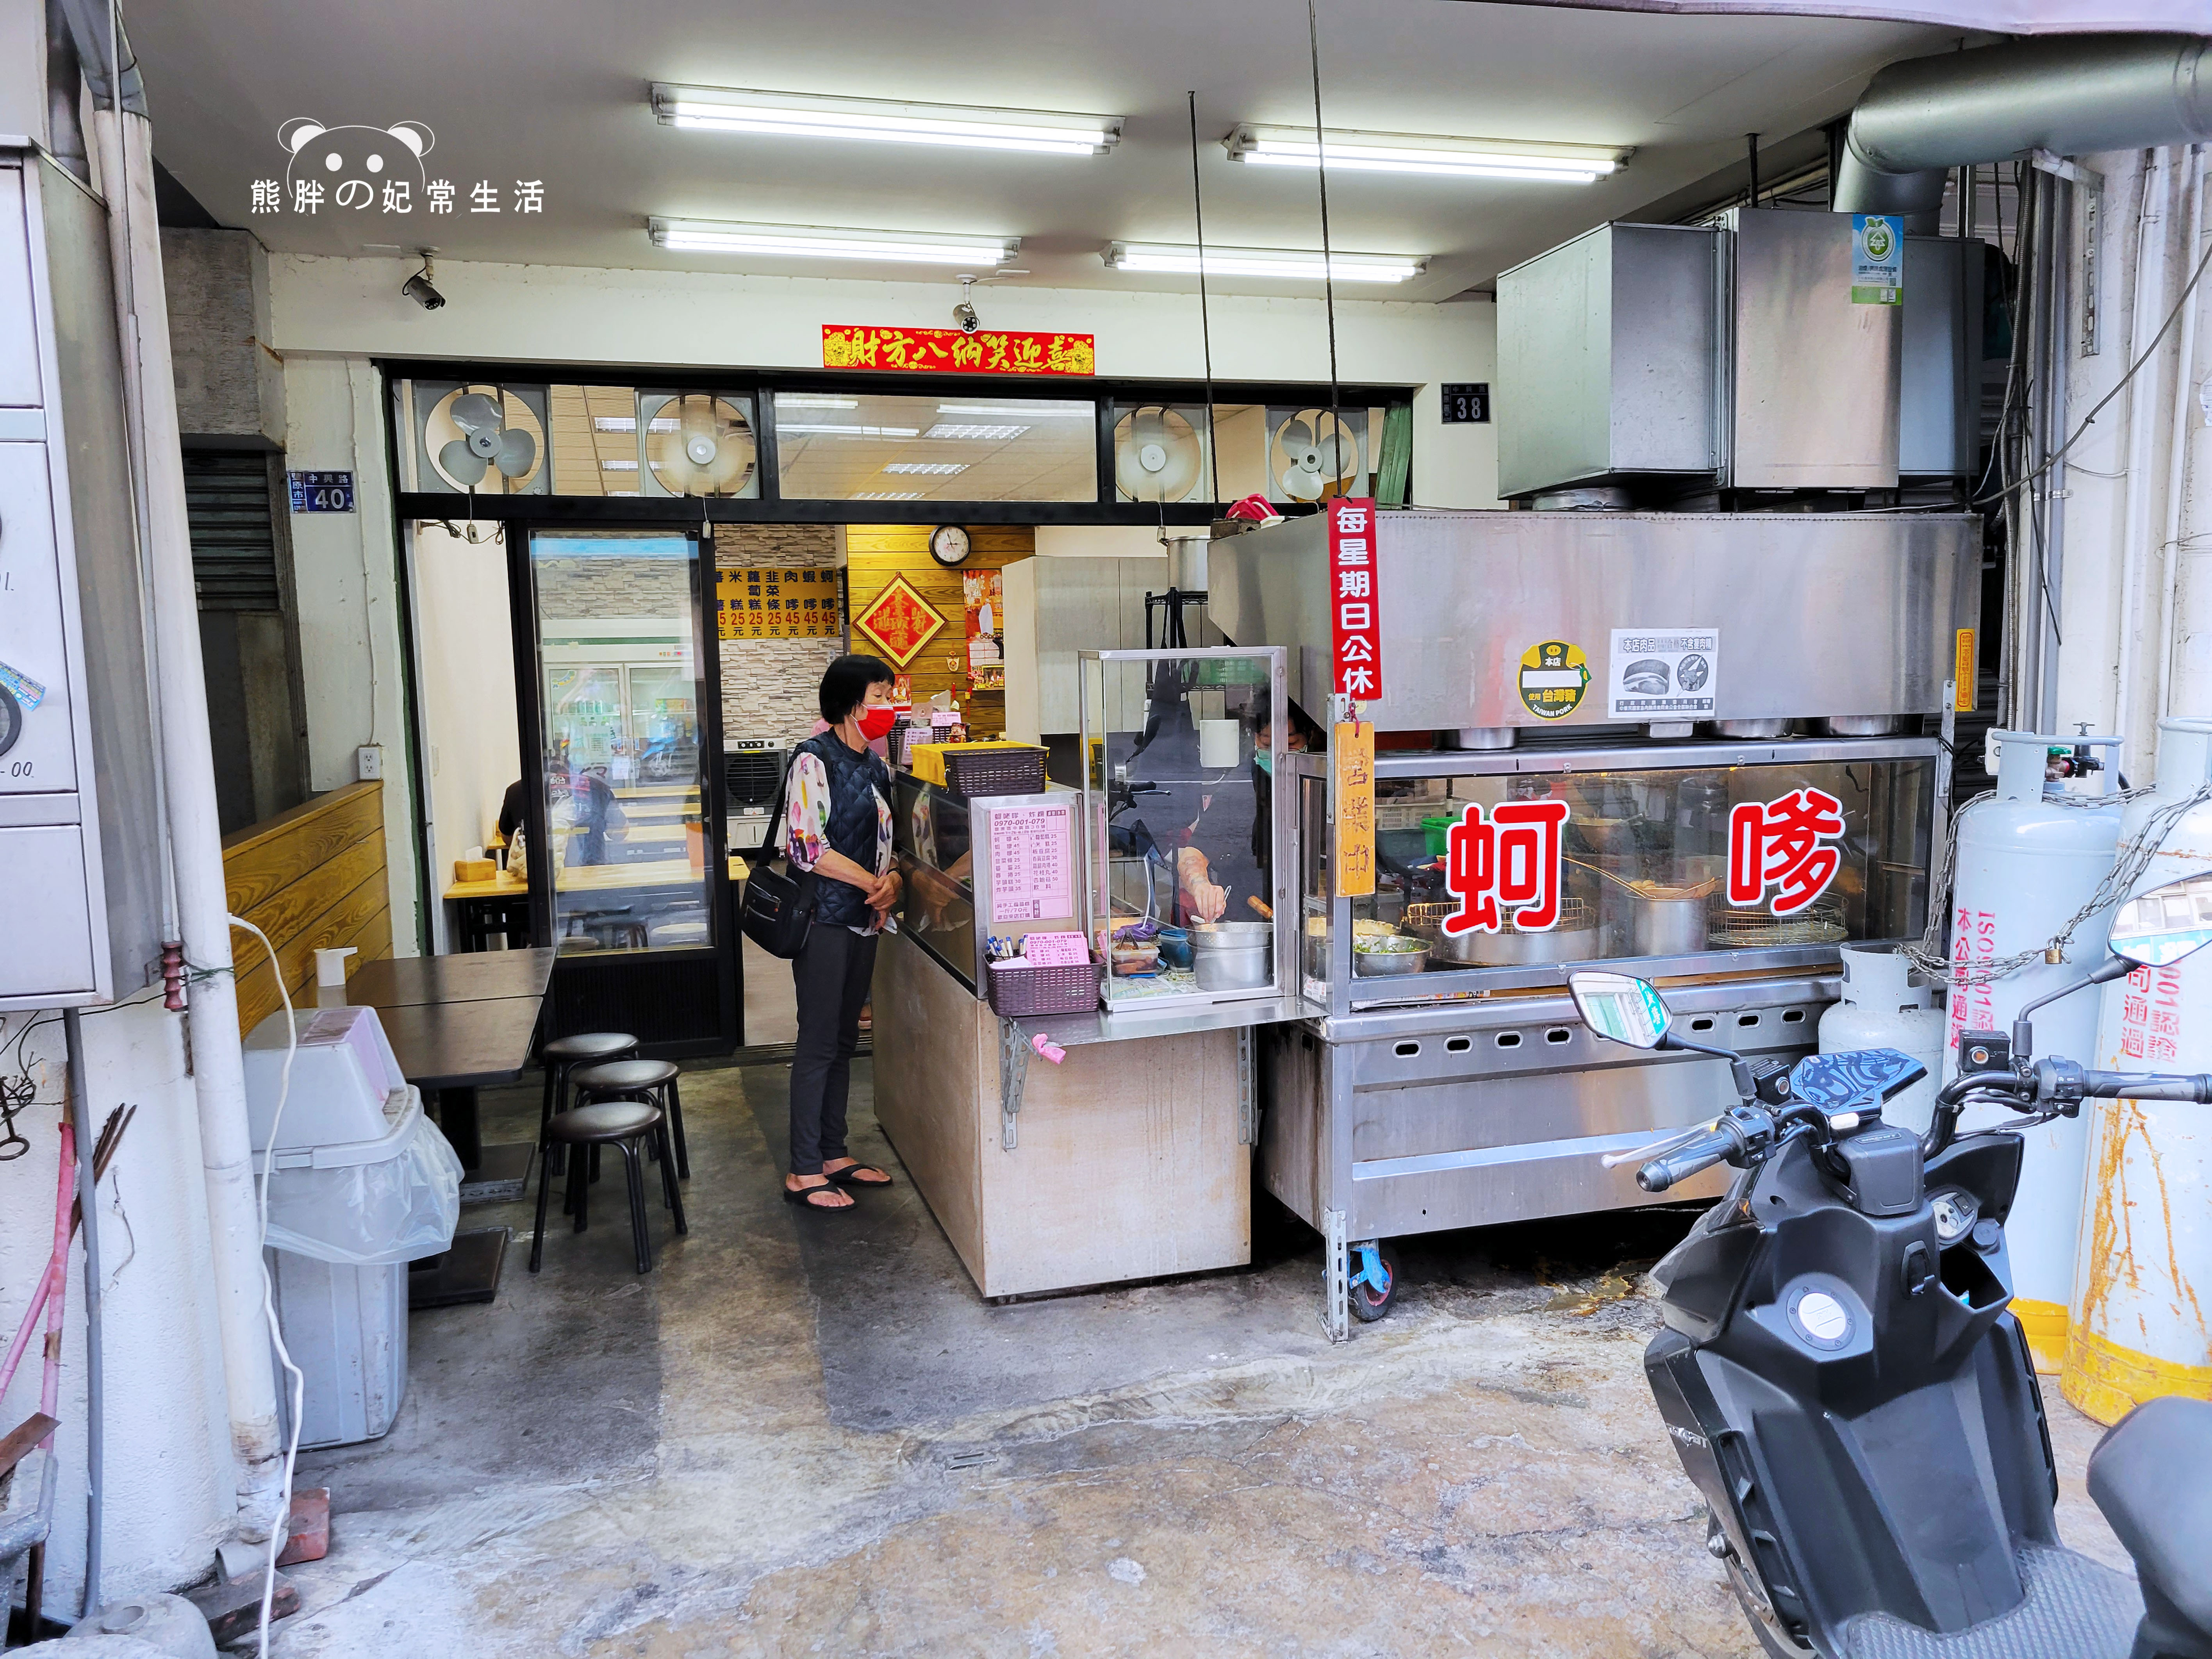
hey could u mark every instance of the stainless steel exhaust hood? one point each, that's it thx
(1809, 616)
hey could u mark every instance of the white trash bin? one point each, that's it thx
(363, 1183)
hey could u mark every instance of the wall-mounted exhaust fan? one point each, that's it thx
(1314, 454)
(697, 444)
(1159, 454)
(484, 438)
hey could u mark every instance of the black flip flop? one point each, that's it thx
(850, 1176)
(803, 1196)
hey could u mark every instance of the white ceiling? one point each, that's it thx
(556, 91)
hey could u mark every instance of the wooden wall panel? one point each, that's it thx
(874, 553)
(309, 879)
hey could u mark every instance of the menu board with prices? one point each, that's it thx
(1032, 863)
(778, 604)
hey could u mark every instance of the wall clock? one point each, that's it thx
(948, 545)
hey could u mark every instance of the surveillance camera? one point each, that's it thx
(964, 314)
(417, 287)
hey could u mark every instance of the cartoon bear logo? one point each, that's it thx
(355, 166)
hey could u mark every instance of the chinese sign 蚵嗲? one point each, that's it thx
(777, 605)
(1783, 844)
(1355, 601)
(990, 351)
(900, 620)
(1515, 861)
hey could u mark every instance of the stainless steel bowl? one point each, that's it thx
(1385, 964)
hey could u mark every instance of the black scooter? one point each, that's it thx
(1841, 1379)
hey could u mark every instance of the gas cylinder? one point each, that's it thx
(2143, 1295)
(1882, 1008)
(2026, 861)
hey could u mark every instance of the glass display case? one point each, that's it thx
(1688, 860)
(1183, 892)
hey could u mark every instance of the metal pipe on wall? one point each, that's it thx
(2149, 306)
(2177, 458)
(2070, 94)
(96, 1360)
(187, 762)
(2058, 222)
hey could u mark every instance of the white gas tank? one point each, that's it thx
(1882, 1008)
(2142, 1297)
(2027, 861)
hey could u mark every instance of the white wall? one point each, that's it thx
(471, 744)
(346, 569)
(168, 1482)
(561, 314)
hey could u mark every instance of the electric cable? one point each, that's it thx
(279, 1535)
(95, 1367)
(1205, 327)
(1328, 255)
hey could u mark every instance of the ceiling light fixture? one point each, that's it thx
(801, 400)
(628, 423)
(617, 466)
(1409, 152)
(1033, 412)
(810, 115)
(972, 430)
(933, 469)
(1286, 264)
(821, 243)
(830, 429)
(886, 495)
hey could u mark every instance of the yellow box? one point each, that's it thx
(929, 757)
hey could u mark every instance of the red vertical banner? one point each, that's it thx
(1355, 601)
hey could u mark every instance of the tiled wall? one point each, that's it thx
(769, 686)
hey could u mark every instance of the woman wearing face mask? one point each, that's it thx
(838, 825)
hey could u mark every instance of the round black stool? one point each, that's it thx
(561, 1058)
(623, 1124)
(649, 1080)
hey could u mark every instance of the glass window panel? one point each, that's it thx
(1179, 832)
(954, 445)
(693, 443)
(1286, 454)
(1644, 862)
(617, 637)
(463, 435)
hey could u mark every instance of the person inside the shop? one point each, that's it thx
(837, 824)
(1304, 737)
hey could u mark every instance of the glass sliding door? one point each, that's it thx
(632, 859)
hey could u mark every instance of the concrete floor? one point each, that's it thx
(806, 1434)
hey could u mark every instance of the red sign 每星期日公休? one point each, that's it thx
(987, 351)
(1355, 601)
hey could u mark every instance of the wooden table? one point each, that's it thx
(456, 1023)
(500, 906)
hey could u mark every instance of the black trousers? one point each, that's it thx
(831, 972)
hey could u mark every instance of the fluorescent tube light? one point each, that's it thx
(1030, 411)
(830, 429)
(801, 400)
(617, 466)
(972, 430)
(934, 469)
(886, 495)
(809, 115)
(1407, 152)
(821, 243)
(628, 423)
(1286, 263)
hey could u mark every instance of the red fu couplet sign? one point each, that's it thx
(1355, 601)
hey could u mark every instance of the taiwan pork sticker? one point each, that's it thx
(1553, 677)
(1663, 674)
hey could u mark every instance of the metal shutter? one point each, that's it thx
(234, 540)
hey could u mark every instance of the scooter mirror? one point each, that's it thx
(2158, 928)
(1629, 1011)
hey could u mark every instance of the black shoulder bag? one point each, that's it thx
(778, 912)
